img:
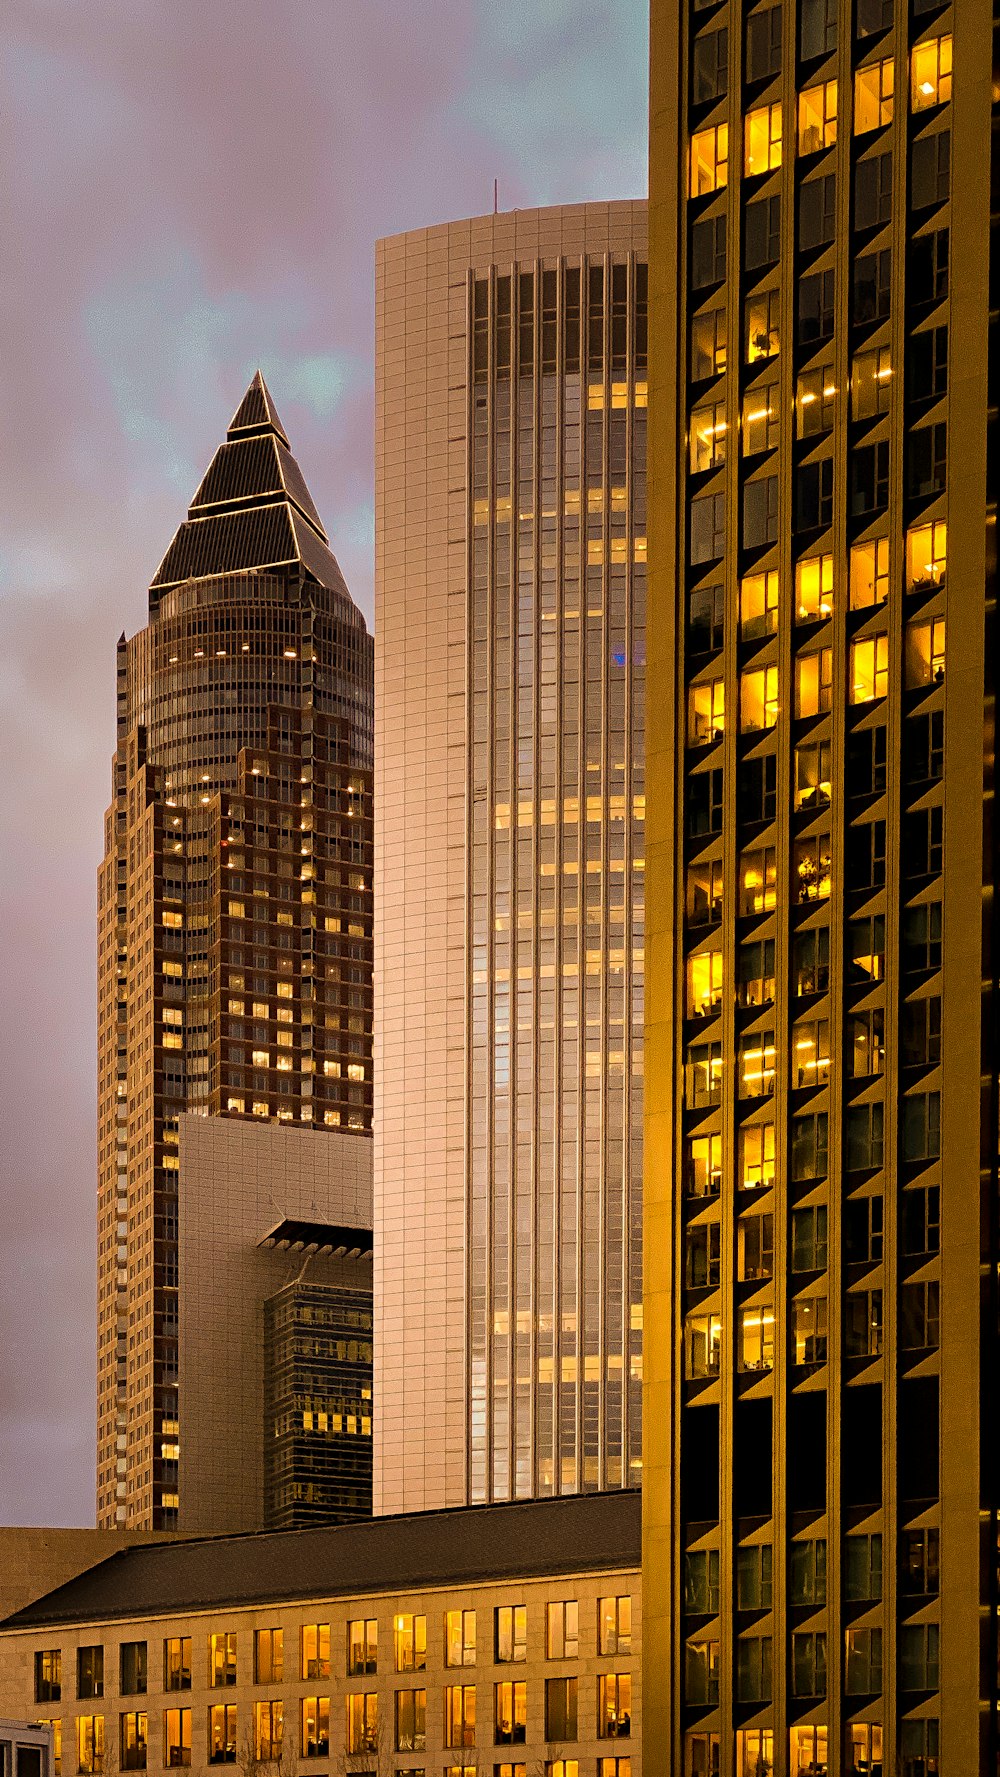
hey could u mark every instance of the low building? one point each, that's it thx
(502, 1639)
(25, 1749)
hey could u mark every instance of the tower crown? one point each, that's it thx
(252, 511)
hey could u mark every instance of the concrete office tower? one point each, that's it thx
(510, 592)
(234, 922)
(821, 1055)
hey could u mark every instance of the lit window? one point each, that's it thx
(814, 682)
(314, 1738)
(460, 1638)
(926, 555)
(460, 1715)
(704, 971)
(236, 911)
(174, 920)
(511, 1633)
(817, 117)
(930, 73)
(704, 1172)
(762, 139)
(869, 669)
(869, 573)
(758, 881)
(614, 1625)
(814, 588)
(759, 698)
(268, 1725)
(873, 91)
(332, 1070)
(709, 152)
(362, 1632)
(314, 1650)
(706, 712)
(925, 654)
(410, 1643)
(815, 399)
(411, 1721)
(236, 1008)
(759, 605)
(510, 1713)
(260, 1107)
(756, 1157)
(562, 1630)
(222, 1659)
(222, 1734)
(176, 1738)
(756, 1338)
(260, 1008)
(261, 1058)
(331, 1119)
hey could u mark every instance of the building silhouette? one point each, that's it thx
(510, 599)
(820, 1485)
(234, 924)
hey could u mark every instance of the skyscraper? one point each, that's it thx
(234, 923)
(820, 1484)
(510, 593)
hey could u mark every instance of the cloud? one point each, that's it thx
(193, 187)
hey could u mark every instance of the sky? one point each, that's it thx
(193, 188)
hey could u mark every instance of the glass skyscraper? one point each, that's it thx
(509, 809)
(234, 902)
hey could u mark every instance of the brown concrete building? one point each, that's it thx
(234, 923)
(510, 612)
(502, 1639)
(820, 1482)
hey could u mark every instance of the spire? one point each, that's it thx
(252, 510)
(256, 413)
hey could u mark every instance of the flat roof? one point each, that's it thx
(293, 1234)
(586, 1533)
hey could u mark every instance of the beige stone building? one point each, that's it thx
(503, 1639)
(510, 609)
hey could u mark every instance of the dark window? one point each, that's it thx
(817, 28)
(759, 789)
(704, 803)
(929, 268)
(90, 1672)
(817, 211)
(866, 762)
(814, 496)
(872, 287)
(817, 296)
(920, 1032)
(863, 1230)
(873, 191)
(866, 856)
(922, 1127)
(922, 842)
(921, 1220)
(919, 1563)
(708, 252)
(701, 1256)
(762, 233)
(753, 1669)
(919, 1316)
(708, 527)
(811, 960)
(706, 610)
(927, 452)
(870, 478)
(710, 66)
(866, 949)
(133, 1668)
(760, 512)
(929, 364)
(873, 17)
(808, 1563)
(809, 1249)
(930, 170)
(922, 937)
(808, 1664)
(863, 1568)
(48, 1675)
(923, 744)
(919, 1658)
(809, 1146)
(701, 1582)
(863, 1131)
(763, 40)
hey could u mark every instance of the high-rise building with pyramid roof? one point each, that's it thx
(234, 907)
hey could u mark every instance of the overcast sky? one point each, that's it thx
(191, 188)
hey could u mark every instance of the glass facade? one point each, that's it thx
(317, 1406)
(824, 558)
(556, 659)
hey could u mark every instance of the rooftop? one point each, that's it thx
(583, 1534)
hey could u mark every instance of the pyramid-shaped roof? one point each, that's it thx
(252, 511)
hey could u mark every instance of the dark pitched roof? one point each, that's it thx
(592, 1532)
(252, 510)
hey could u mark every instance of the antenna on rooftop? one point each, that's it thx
(496, 196)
